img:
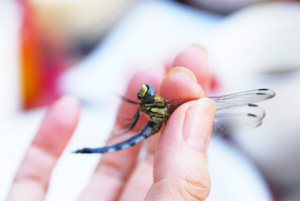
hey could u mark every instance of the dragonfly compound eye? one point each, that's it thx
(150, 94)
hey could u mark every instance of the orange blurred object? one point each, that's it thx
(55, 35)
(40, 67)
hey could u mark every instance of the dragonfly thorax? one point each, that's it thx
(155, 107)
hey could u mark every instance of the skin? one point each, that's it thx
(175, 166)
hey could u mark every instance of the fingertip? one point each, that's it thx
(195, 59)
(58, 125)
(67, 105)
(180, 82)
(207, 103)
(194, 56)
(183, 70)
(64, 112)
(68, 100)
(199, 47)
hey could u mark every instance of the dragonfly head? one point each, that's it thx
(146, 93)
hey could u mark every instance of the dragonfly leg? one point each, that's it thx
(128, 127)
(124, 119)
(135, 119)
(128, 100)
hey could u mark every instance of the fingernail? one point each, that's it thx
(199, 46)
(198, 124)
(183, 70)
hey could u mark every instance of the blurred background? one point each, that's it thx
(91, 48)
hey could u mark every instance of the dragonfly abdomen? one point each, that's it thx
(150, 129)
(115, 147)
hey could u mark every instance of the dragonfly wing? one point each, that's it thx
(242, 98)
(235, 119)
(230, 100)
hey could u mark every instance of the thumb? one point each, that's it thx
(180, 169)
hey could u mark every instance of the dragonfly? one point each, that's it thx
(234, 112)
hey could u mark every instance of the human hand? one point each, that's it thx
(179, 171)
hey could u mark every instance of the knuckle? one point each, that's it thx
(193, 185)
(196, 185)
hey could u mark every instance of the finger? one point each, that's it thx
(180, 171)
(195, 59)
(114, 168)
(179, 83)
(139, 182)
(32, 178)
(183, 82)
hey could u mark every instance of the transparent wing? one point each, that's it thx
(234, 119)
(242, 98)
